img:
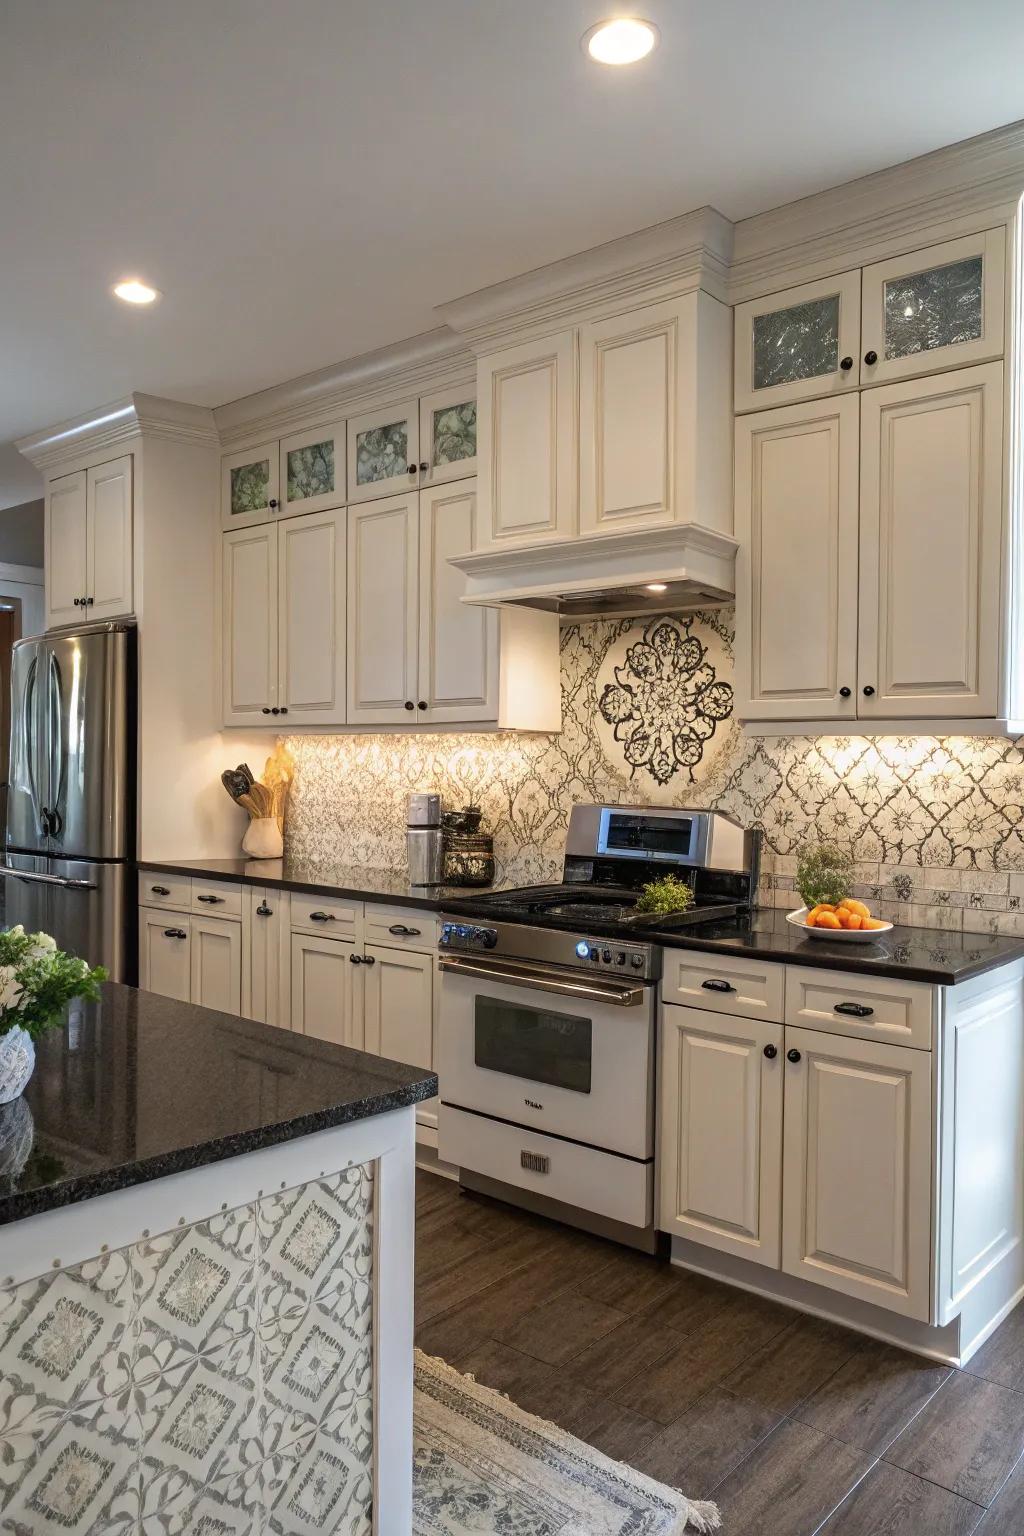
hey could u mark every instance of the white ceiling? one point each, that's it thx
(305, 179)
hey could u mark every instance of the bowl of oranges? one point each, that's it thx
(846, 919)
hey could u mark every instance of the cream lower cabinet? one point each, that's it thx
(266, 989)
(194, 959)
(164, 953)
(326, 989)
(398, 1005)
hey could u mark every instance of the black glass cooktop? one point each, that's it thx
(583, 906)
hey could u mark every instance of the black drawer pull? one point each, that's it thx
(402, 932)
(210, 901)
(264, 911)
(322, 917)
(854, 1010)
(161, 890)
(175, 933)
(714, 985)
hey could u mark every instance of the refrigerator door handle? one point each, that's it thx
(36, 879)
(27, 706)
(56, 746)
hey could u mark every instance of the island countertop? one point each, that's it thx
(138, 1086)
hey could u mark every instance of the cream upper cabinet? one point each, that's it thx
(216, 964)
(88, 544)
(720, 1131)
(930, 545)
(398, 1008)
(796, 568)
(458, 644)
(326, 989)
(249, 614)
(798, 345)
(250, 486)
(108, 558)
(384, 451)
(941, 307)
(66, 542)
(383, 621)
(857, 1186)
(448, 436)
(654, 424)
(526, 404)
(311, 618)
(312, 470)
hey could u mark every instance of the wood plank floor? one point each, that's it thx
(793, 1425)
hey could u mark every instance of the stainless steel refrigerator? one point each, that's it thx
(71, 796)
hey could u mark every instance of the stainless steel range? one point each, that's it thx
(548, 1014)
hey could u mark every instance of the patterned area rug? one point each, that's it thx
(482, 1466)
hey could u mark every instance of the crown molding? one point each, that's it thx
(863, 220)
(111, 426)
(692, 251)
(432, 360)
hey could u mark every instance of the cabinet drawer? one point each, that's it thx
(868, 1007)
(401, 927)
(724, 984)
(332, 916)
(216, 898)
(164, 891)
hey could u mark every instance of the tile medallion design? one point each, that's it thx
(250, 487)
(454, 433)
(310, 471)
(217, 1378)
(382, 452)
(938, 823)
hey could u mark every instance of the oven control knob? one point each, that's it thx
(637, 962)
(595, 954)
(620, 958)
(606, 956)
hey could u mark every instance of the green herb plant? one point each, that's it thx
(824, 873)
(669, 894)
(37, 979)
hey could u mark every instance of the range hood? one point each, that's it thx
(606, 575)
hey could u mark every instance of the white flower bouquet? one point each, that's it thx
(37, 980)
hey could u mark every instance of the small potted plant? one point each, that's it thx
(36, 981)
(824, 878)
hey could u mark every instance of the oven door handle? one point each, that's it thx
(540, 980)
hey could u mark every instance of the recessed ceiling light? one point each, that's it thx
(623, 40)
(656, 586)
(134, 292)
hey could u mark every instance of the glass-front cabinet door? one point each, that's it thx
(384, 451)
(249, 486)
(448, 435)
(801, 344)
(313, 470)
(934, 309)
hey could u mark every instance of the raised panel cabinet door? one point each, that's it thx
(857, 1195)
(216, 964)
(720, 1135)
(327, 993)
(383, 621)
(249, 619)
(109, 541)
(801, 344)
(458, 644)
(941, 307)
(266, 942)
(312, 471)
(526, 403)
(931, 519)
(250, 486)
(311, 618)
(399, 1005)
(164, 953)
(796, 566)
(384, 451)
(65, 549)
(448, 435)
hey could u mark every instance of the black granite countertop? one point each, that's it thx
(321, 879)
(137, 1086)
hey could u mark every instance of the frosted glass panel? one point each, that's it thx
(454, 433)
(310, 471)
(937, 308)
(382, 452)
(250, 487)
(797, 343)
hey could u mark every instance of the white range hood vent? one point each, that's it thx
(606, 575)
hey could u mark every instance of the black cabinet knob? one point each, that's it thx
(272, 503)
(868, 691)
(871, 358)
(264, 911)
(284, 709)
(770, 1052)
(793, 1055)
(275, 710)
(77, 601)
(412, 469)
(369, 960)
(846, 364)
(424, 466)
(409, 704)
(355, 959)
(89, 602)
(844, 693)
(422, 704)
(266, 709)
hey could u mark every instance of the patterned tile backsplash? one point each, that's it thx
(937, 823)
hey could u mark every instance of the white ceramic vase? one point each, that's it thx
(17, 1060)
(263, 839)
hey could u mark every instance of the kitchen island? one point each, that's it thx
(206, 1246)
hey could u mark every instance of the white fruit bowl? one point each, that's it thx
(837, 935)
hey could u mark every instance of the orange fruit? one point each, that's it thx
(872, 922)
(822, 906)
(851, 905)
(810, 920)
(855, 920)
(827, 920)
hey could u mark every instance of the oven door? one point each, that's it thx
(570, 1056)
